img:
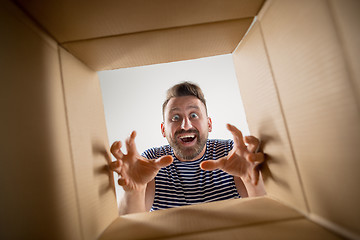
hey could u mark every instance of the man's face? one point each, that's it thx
(186, 127)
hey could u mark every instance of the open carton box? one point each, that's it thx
(299, 77)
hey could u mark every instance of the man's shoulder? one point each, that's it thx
(220, 142)
(217, 148)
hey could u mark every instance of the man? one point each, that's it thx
(192, 168)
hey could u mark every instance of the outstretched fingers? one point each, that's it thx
(256, 158)
(238, 137)
(163, 161)
(115, 150)
(122, 181)
(130, 143)
(253, 143)
(116, 166)
(211, 165)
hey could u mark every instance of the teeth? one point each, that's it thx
(188, 136)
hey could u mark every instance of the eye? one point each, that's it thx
(194, 115)
(175, 118)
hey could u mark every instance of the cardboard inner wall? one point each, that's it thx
(54, 180)
(160, 46)
(118, 34)
(346, 21)
(298, 75)
(89, 145)
(38, 197)
(71, 21)
(265, 119)
(318, 105)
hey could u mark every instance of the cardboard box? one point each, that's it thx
(298, 75)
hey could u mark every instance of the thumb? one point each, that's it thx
(211, 165)
(163, 161)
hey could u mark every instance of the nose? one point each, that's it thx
(186, 124)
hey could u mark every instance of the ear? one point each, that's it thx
(163, 129)
(209, 124)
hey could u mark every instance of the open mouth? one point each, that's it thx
(187, 138)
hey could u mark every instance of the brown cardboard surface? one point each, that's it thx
(69, 20)
(265, 119)
(38, 198)
(89, 146)
(346, 18)
(54, 146)
(319, 106)
(297, 229)
(163, 46)
(199, 218)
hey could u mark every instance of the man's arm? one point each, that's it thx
(150, 195)
(133, 202)
(248, 189)
(135, 173)
(138, 201)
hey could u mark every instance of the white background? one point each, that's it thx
(133, 98)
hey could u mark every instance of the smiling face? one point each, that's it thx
(186, 127)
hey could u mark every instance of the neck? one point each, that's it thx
(193, 159)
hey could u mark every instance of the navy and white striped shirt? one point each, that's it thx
(185, 183)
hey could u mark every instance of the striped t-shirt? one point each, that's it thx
(185, 183)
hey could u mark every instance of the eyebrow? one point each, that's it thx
(189, 107)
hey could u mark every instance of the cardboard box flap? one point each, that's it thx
(116, 34)
(211, 220)
(161, 46)
(69, 20)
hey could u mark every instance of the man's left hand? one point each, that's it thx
(242, 161)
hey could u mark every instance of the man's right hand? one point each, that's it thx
(135, 171)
